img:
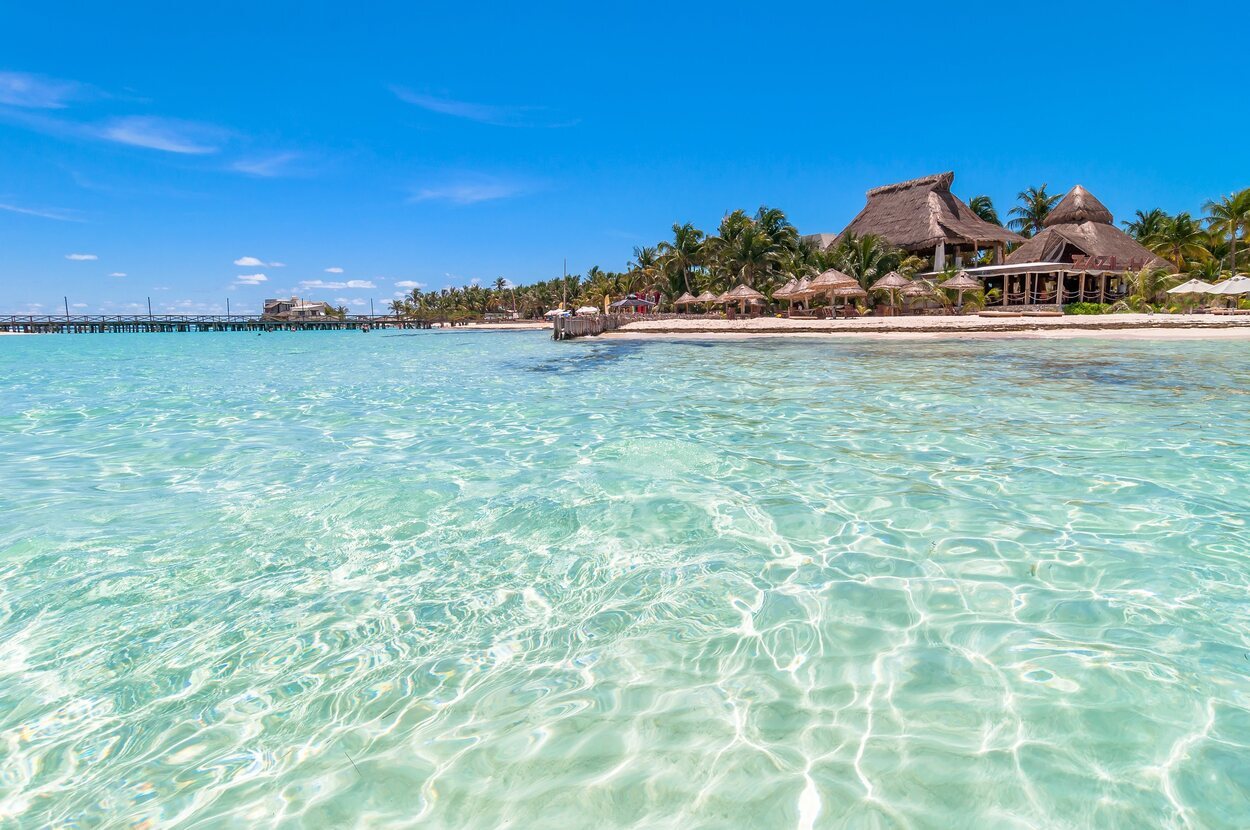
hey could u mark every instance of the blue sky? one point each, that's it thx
(346, 154)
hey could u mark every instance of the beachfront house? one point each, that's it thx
(924, 218)
(1080, 256)
(295, 309)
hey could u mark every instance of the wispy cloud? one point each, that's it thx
(334, 270)
(168, 134)
(118, 274)
(45, 213)
(250, 279)
(336, 285)
(266, 167)
(468, 190)
(255, 262)
(21, 89)
(82, 257)
(500, 115)
(409, 284)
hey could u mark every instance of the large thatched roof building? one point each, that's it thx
(1080, 256)
(923, 217)
(1080, 230)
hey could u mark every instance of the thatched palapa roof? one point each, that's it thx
(707, 297)
(1081, 227)
(832, 278)
(784, 291)
(963, 281)
(685, 299)
(916, 215)
(743, 292)
(1078, 206)
(891, 280)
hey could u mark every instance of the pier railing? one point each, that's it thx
(46, 323)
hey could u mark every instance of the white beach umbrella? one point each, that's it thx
(588, 309)
(1239, 284)
(1192, 287)
(556, 312)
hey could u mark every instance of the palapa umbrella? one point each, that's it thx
(892, 282)
(707, 297)
(784, 292)
(961, 282)
(826, 281)
(685, 299)
(744, 294)
(848, 292)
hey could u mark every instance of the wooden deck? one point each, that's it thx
(109, 323)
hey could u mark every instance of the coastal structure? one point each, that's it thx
(1079, 256)
(923, 217)
(295, 309)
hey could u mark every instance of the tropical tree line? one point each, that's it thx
(764, 250)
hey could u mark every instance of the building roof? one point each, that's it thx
(1090, 234)
(916, 215)
(1079, 206)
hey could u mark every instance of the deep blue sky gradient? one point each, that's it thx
(439, 143)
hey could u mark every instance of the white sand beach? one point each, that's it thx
(1127, 326)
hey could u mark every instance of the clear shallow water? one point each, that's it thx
(471, 579)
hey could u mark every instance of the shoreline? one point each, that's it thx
(1123, 326)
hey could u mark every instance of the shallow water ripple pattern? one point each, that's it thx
(482, 580)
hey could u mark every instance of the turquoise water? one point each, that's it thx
(483, 580)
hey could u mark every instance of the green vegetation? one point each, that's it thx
(764, 250)
(1087, 308)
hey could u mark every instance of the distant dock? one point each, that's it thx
(108, 323)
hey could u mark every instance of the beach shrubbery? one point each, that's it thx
(1087, 308)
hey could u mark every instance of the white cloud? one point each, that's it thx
(409, 284)
(44, 213)
(81, 257)
(267, 167)
(118, 274)
(468, 190)
(335, 270)
(336, 285)
(277, 265)
(250, 279)
(249, 262)
(77, 305)
(21, 89)
(500, 115)
(168, 134)
(346, 301)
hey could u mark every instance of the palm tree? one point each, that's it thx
(1180, 238)
(1147, 287)
(749, 255)
(866, 258)
(1035, 205)
(644, 269)
(983, 207)
(679, 258)
(1146, 224)
(1229, 217)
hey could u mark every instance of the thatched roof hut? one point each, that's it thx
(707, 297)
(891, 281)
(686, 299)
(744, 293)
(963, 281)
(832, 278)
(922, 216)
(848, 291)
(783, 293)
(1080, 231)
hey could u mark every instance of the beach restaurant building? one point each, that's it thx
(1080, 256)
(295, 309)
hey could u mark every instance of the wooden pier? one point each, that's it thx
(109, 323)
